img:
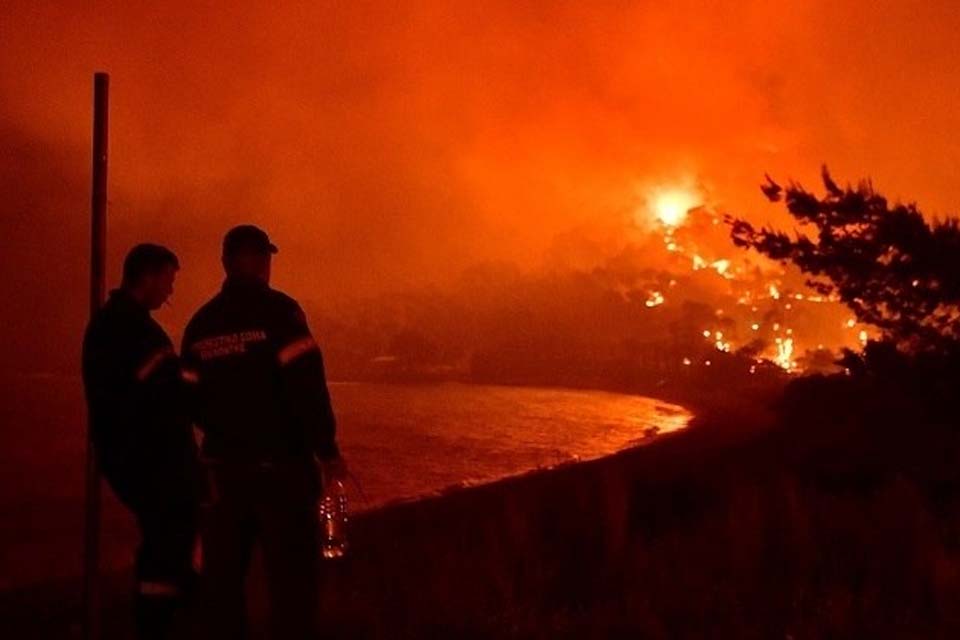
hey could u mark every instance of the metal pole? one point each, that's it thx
(98, 244)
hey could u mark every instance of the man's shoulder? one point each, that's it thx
(99, 328)
(281, 300)
(286, 314)
(100, 319)
(113, 310)
(112, 319)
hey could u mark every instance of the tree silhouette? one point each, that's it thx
(891, 267)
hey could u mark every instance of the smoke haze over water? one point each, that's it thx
(391, 146)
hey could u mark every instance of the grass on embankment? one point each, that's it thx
(724, 531)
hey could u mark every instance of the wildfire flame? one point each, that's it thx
(672, 206)
(766, 300)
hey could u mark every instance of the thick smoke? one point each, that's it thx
(394, 147)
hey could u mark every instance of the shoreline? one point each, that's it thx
(43, 502)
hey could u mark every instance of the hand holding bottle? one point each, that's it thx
(332, 508)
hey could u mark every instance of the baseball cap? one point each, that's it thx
(247, 237)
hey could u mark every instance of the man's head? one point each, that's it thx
(148, 274)
(247, 252)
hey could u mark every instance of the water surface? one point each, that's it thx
(401, 441)
(404, 441)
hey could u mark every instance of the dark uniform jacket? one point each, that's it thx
(260, 384)
(137, 402)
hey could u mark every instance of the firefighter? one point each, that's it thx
(269, 437)
(142, 434)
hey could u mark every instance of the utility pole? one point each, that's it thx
(98, 245)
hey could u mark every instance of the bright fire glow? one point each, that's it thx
(671, 206)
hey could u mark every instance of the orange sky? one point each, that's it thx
(389, 144)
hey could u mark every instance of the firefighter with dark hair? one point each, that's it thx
(142, 433)
(269, 438)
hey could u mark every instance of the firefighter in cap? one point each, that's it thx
(142, 434)
(268, 440)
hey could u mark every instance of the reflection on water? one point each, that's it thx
(404, 441)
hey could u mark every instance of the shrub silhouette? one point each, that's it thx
(891, 267)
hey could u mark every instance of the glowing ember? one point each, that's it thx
(719, 343)
(784, 356)
(721, 266)
(655, 299)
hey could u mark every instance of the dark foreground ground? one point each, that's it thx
(733, 529)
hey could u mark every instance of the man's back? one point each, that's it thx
(259, 377)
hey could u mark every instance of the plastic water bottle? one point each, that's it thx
(333, 521)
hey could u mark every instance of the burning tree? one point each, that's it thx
(892, 268)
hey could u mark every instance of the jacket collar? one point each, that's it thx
(122, 299)
(235, 284)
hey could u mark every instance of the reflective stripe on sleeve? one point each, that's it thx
(295, 349)
(188, 375)
(152, 362)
